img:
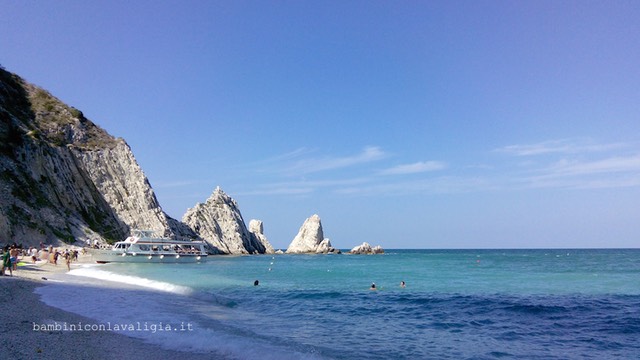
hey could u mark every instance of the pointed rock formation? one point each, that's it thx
(257, 231)
(218, 221)
(310, 238)
(365, 248)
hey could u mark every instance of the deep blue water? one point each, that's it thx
(457, 304)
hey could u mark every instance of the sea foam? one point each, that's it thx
(93, 272)
(167, 316)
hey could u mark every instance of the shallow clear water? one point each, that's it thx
(457, 304)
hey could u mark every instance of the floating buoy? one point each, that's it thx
(198, 258)
(133, 254)
(161, 256)
(178, 256)
(150, 257)
(124, 254)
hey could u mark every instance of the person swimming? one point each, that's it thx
(373, 286)
(402, 284)
(256, 283)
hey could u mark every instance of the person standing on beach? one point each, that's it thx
(6, 262)
(14, 252)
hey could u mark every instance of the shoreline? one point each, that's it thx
(26, 312)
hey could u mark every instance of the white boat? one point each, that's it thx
(143, 247)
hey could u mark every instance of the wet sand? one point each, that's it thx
(22, 309)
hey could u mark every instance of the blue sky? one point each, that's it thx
(413, 124)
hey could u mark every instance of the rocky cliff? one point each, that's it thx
(122, 183)
(65, 178)
(310, 239)
(47, 194)
(219, 222)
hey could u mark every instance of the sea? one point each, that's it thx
(456, 304)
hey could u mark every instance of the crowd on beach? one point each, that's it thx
(12, 254)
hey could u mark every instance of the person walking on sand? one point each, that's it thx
(55, 257)
(67, 258)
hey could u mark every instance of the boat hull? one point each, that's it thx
(143, 247)
(109, 256)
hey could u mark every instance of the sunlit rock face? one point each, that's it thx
(218, 221)
(310, 239)
(365, 248)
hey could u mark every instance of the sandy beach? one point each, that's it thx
(20, 338)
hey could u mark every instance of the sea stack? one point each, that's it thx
(218, 221)
(310, 239)
(365, 248)
(257, 231)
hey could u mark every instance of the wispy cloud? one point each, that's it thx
(311, 165)
(291, 155)
(574, 164)
(611, 172)
(426, 186)
(415, 168)
(565, 164)
(608, 165)
(176, 184)
(303, 186)
(273, 189)
(563, 146)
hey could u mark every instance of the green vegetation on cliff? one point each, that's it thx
(46, 192)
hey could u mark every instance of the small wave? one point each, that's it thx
(92, 272)
(315, 295)
(536, 309)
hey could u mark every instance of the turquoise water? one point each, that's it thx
(446, 271)
(547, 304)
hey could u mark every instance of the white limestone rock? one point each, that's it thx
(118, 177)
(310, 239)
(257, 231)
(365, 248)
(218, 221)
(324, 247)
